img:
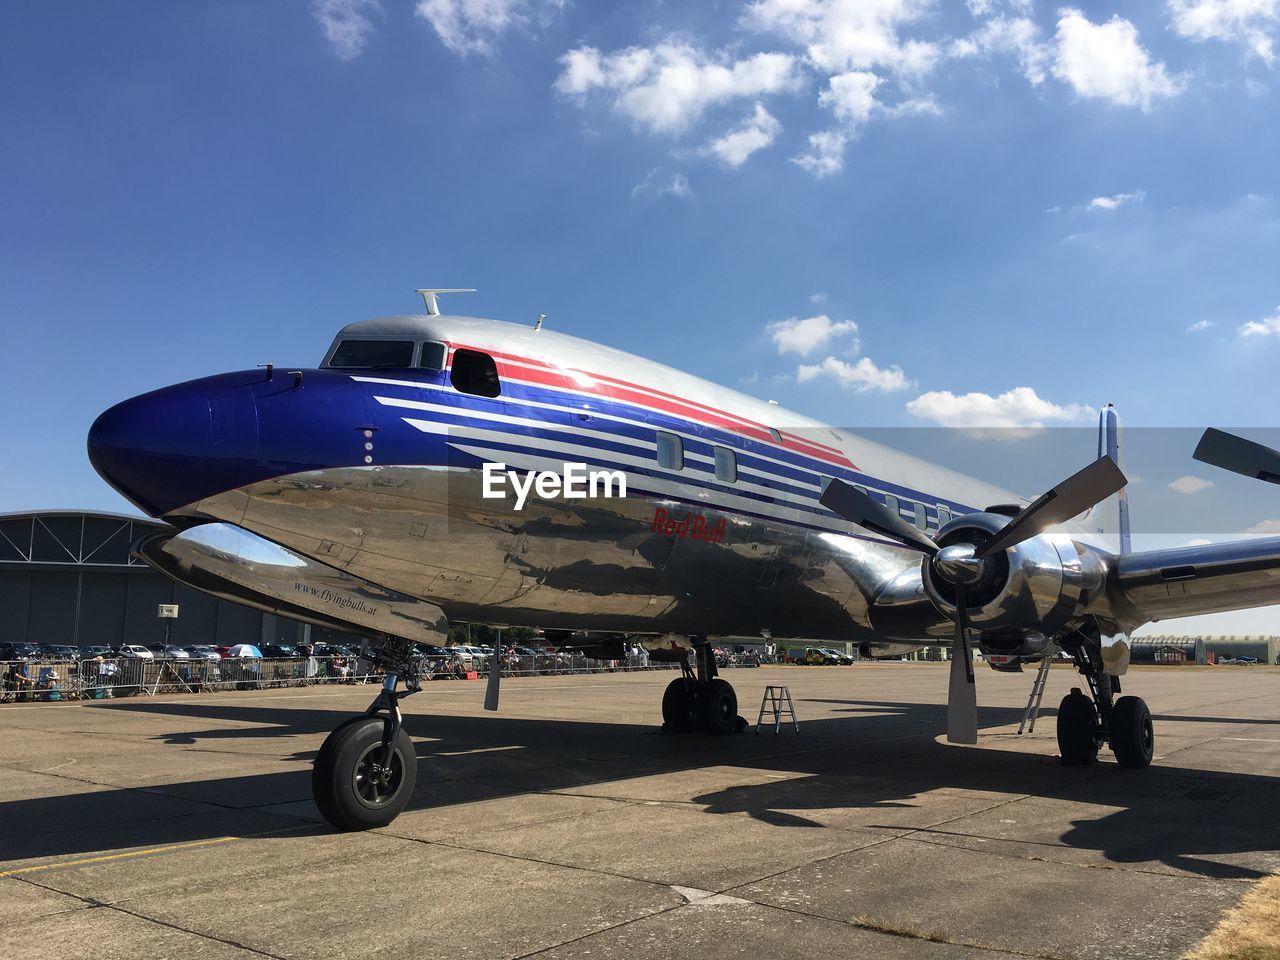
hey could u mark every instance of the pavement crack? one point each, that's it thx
(92, 903)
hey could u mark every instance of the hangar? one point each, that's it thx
(66, 576)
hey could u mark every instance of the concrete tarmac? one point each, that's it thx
(568, 826)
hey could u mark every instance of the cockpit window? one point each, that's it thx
(476, 373)
(373, 354)
(432, 357)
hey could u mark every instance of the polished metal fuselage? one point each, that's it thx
(595, 564)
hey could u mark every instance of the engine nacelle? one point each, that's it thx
(1028, 593)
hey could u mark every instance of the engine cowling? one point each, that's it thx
(1028, 593)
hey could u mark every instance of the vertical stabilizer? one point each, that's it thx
(1109, 446)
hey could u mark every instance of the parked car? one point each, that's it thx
(202, 651)
(837, 657)
(57, 651)
(17, 651)
(277, 651)
(174, 652)
(90, 652)
(816, 655)
(135, 651)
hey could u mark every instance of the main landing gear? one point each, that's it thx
(1086, 722)
(364, 772)
(701, 700)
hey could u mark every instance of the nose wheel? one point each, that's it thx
(365, 770)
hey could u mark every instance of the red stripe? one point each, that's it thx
(545, 374)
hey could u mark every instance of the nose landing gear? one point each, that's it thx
(365, 770)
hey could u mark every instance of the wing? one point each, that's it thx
(1185, 581)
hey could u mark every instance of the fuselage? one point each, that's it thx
(377, 469)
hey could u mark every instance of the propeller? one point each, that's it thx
(963, 565)
(1221, 449)
(495, 675)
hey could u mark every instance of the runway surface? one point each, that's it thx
(569, 826)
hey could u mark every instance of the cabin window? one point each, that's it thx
(432, 357)
(863, 490)
(891, 502)
(475, 373)
(777, 437)
(373, 354)
(922, 516)
(944, 516)
(823, 483)
(726, 465)
(670, 451)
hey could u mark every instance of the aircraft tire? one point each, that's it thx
(1077, 726)
(344, 794)
(1132, 735)
(679, 708)
(719, 707)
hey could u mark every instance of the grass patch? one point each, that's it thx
(1250, 931)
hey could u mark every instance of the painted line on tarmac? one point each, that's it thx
(150, 851)
(118, 856)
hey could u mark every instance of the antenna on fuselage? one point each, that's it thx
(537, 324)
(429, 297)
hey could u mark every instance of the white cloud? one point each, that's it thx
(1190, 485)
(1267, 528)
(851, 96)
(472, 26)
(1200, 326)
(817, 298)
(1266, 327)
(843, 35)
(825, 155)
(804, 336)
(1020, 407)
(347, 24)
(660, 183)
(756, 132)
(1247, 22)
(666, 88)
(1106, 61)
(1016, 35)
(1117, 200)
(861, 376)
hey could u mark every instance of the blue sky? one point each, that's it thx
(1007, 212)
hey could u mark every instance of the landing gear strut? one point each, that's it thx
(700, 699)
(1086, 722)
(365, 770)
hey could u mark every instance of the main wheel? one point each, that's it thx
(349, 788)
(680, 707)
(1077, 729)
(719, 707)
(1132, 736)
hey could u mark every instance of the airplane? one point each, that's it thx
(377, 492)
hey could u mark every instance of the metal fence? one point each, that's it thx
(109, 678)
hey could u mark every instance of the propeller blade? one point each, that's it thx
(495, 676)
(1226, 450)
(962, 692)
(858, 508)
(1072, 496)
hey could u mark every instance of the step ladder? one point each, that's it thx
(777, 700)
(1037, 694)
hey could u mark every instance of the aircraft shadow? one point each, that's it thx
(880, 757)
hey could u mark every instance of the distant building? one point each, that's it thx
(66, 577)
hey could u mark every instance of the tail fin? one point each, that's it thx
(1109, 446)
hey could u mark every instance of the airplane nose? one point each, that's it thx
(151, 448)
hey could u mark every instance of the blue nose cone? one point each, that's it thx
(153, 447)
